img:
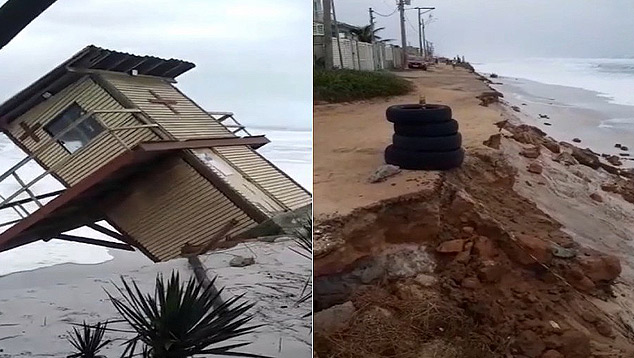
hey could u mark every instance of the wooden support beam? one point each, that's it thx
(201, 275)
(204, 143)
(192, 252)
(106, 231)
(26, 201)
(85, 240)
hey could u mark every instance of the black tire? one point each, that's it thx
(406, 159)
(418, 113)
(428, 144)
(441, 129)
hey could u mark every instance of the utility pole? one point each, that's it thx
(334, 18)
(401, 9)
(421, 50)
(421, 29)
(371, 26)
(327, 34)
(424, 41)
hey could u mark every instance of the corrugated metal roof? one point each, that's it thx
(90, 58)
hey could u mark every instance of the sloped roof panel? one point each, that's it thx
(90, 58)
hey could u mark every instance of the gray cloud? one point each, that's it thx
(253, 57)
(509, 28)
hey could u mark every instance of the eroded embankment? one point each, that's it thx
(469, 269)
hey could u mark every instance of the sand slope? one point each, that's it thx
(37, 307)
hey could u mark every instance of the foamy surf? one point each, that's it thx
(43, 254)
(612, 79)
(619, 123)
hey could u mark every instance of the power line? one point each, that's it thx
(409, 23)
(393, 12)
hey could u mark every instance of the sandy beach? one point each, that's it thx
(37, 307)
(569, 112)
(542, 258)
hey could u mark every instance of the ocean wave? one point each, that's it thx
(613, 79)
(617, 123)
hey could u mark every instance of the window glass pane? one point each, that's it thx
(80, 135)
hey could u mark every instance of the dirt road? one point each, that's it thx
(349, 139)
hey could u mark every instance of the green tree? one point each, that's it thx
(364, 34)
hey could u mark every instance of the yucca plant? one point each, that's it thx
(182, 320)
(89, 340)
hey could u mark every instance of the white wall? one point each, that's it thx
(364, 56)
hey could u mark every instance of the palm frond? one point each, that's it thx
(304, 239)
(88, 340)
(181, 319)
(304, 236)
(366, 34)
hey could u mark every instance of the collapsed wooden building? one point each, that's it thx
(132, 150)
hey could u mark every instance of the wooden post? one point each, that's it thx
(201, 275)
(192, 252)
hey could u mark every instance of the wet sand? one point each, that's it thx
(37, 307)
(573, 113)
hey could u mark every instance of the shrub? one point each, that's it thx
(181, 320)
(351, 85)
(88, 341)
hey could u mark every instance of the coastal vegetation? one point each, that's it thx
(351, 85)
(368, 34)
(179, 320)
(304, 240)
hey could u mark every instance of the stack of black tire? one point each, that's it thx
(425, 138)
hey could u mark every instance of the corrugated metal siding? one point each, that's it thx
(90, 96)
(267, 176)
(190, 123)
(175, 205)
(193, 122)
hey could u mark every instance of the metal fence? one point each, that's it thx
(362, 56)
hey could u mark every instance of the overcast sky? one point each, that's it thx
(494, 29)
(253, 57)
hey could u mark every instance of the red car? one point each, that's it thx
(416, 62)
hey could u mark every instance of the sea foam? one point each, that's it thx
(611, 78)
